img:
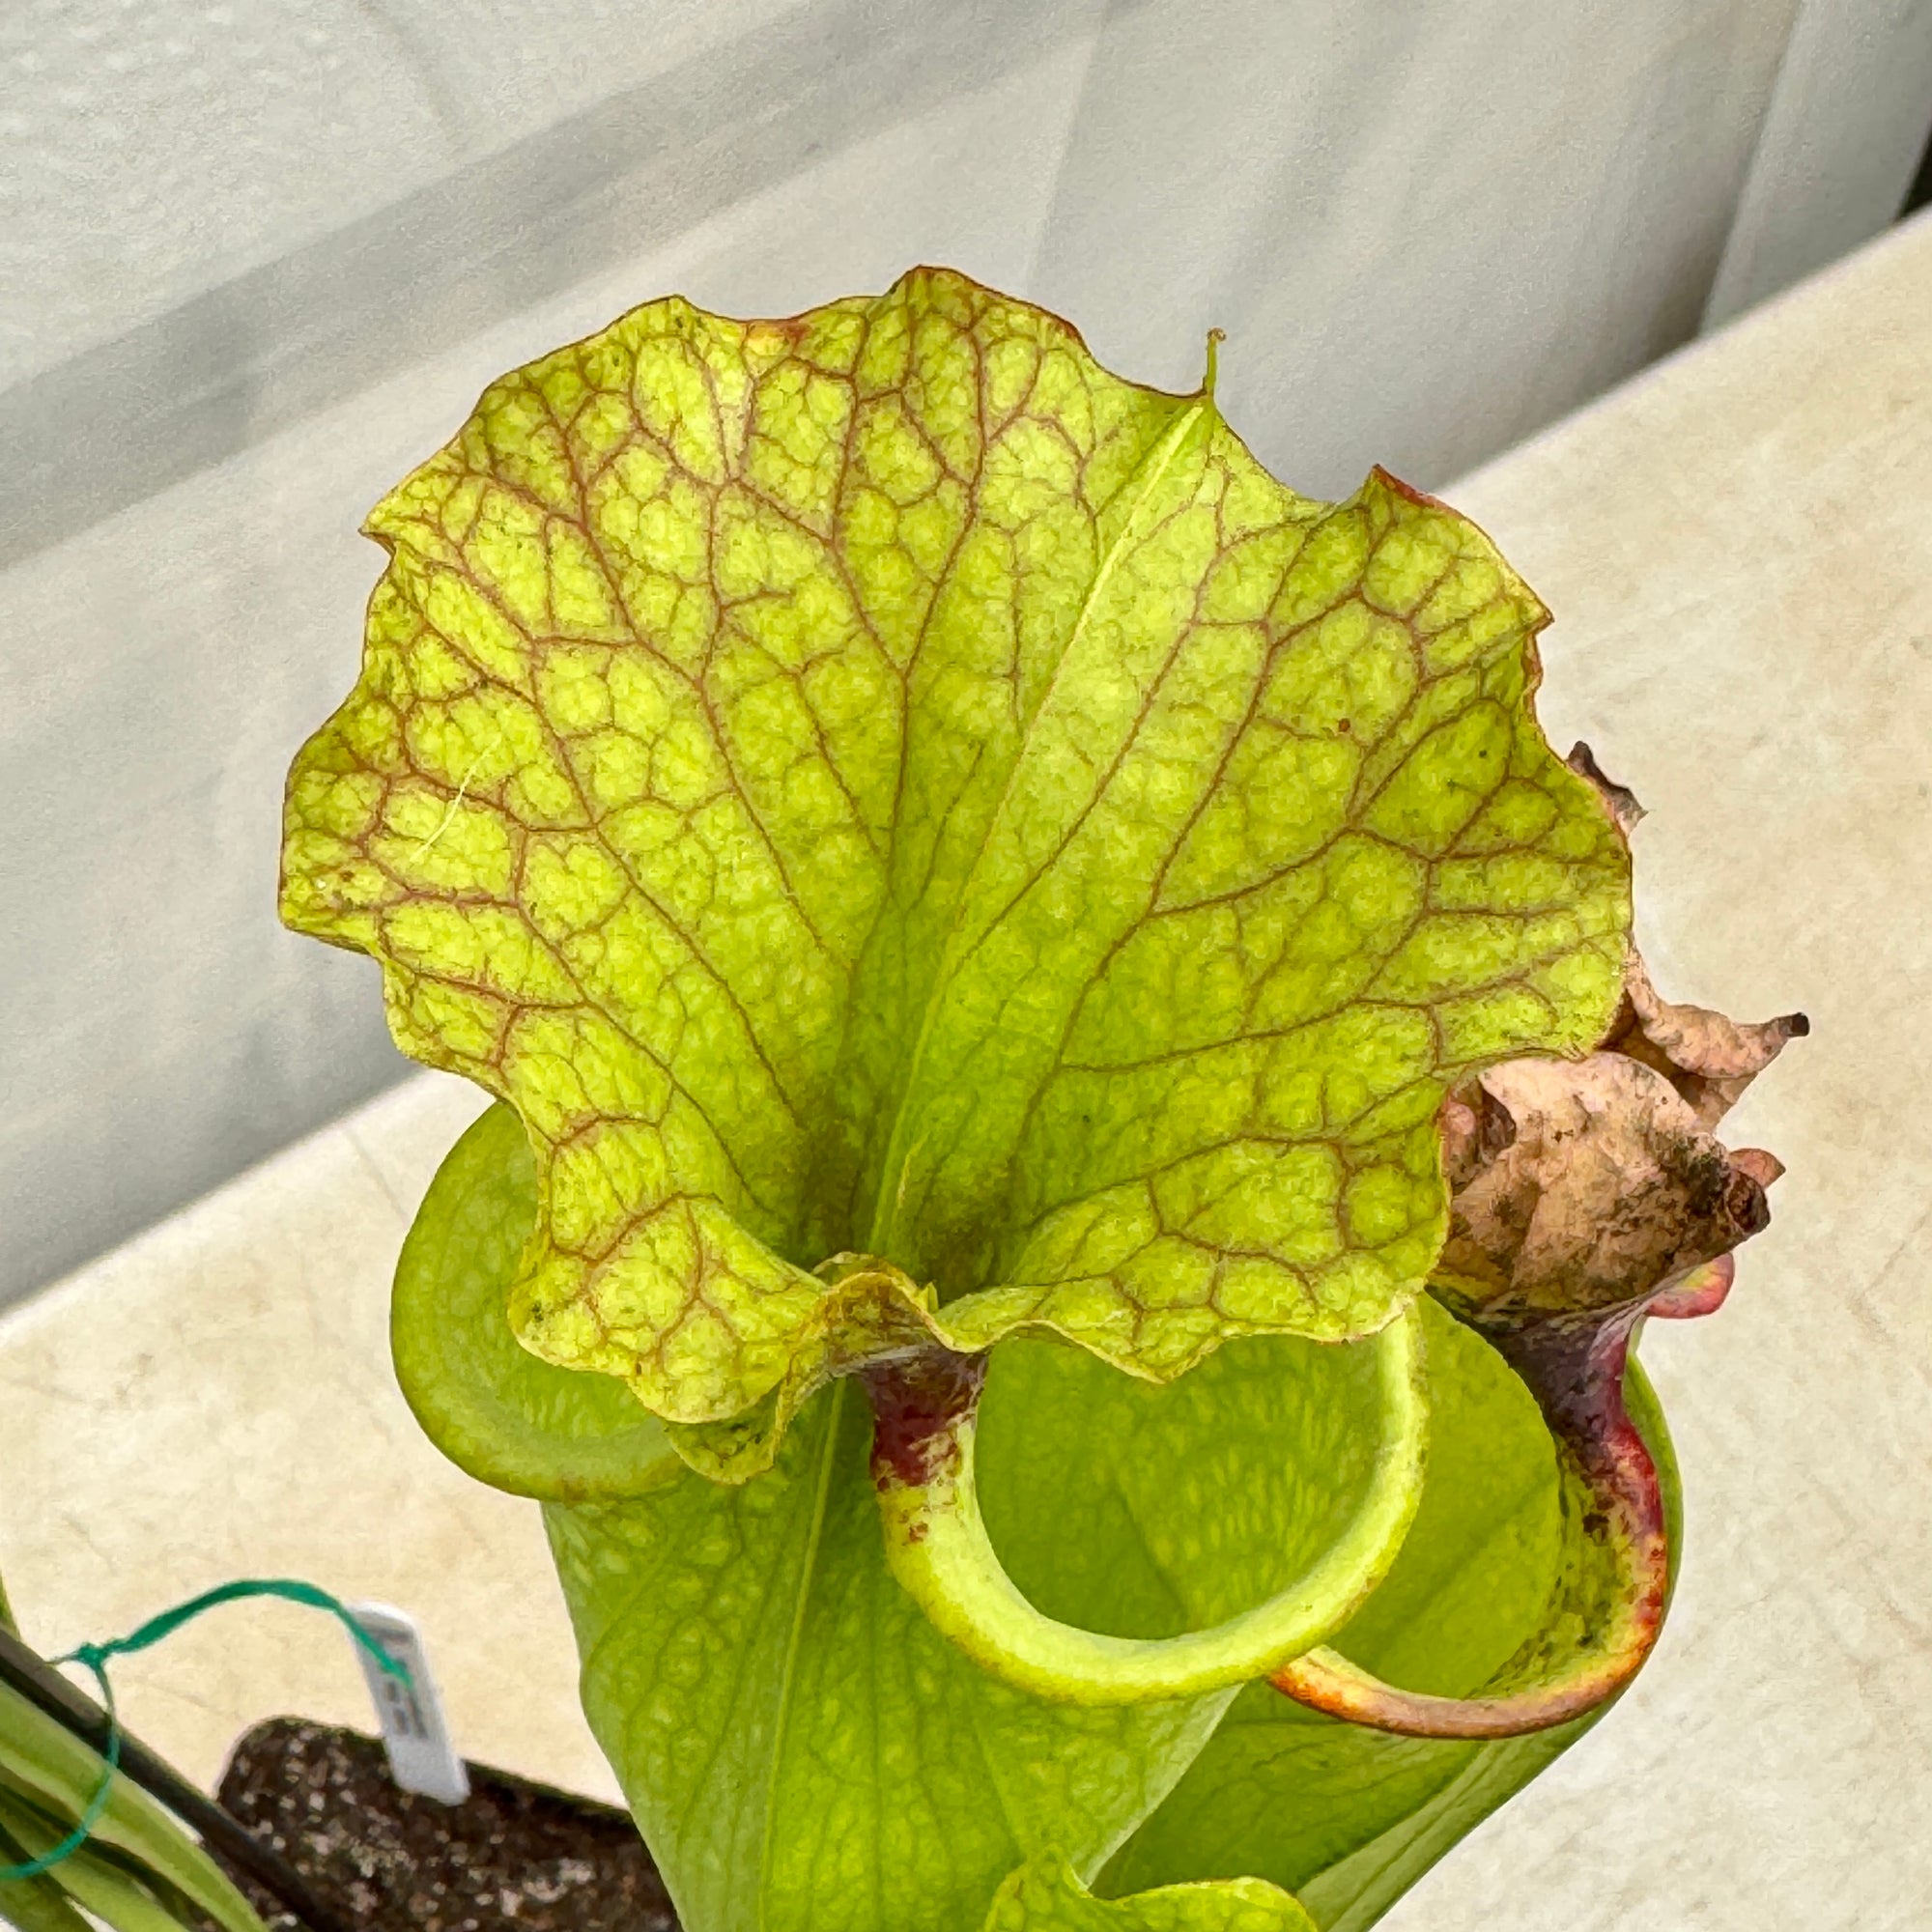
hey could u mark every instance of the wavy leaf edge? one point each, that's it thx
(455, 818)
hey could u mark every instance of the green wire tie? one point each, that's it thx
(95, 1655)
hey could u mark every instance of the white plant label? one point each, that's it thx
(416, 1738)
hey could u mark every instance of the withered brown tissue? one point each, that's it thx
(1586, 1185)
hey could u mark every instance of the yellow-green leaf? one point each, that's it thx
(1045, 1896)
(44, 1765)
(878, 784)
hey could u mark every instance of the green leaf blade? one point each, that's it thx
(495, 1409)
(49, 1769)
(1045, 1896)
(877, 781)
(35, 1904)
(801, 1748)
(1347, 1818)
(87, 1880)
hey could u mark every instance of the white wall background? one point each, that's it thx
(257, 259)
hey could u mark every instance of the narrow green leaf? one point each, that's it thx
(47, 1761)
(877, 783)
(1045, 1896)
(34, 1904)
(58, 1774)
(91, 1882)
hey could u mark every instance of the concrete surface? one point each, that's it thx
(1739, 550)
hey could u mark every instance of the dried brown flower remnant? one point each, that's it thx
(1606, 1188)
(1708, 1059)
(1585, 1195)
(1586, 1186)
